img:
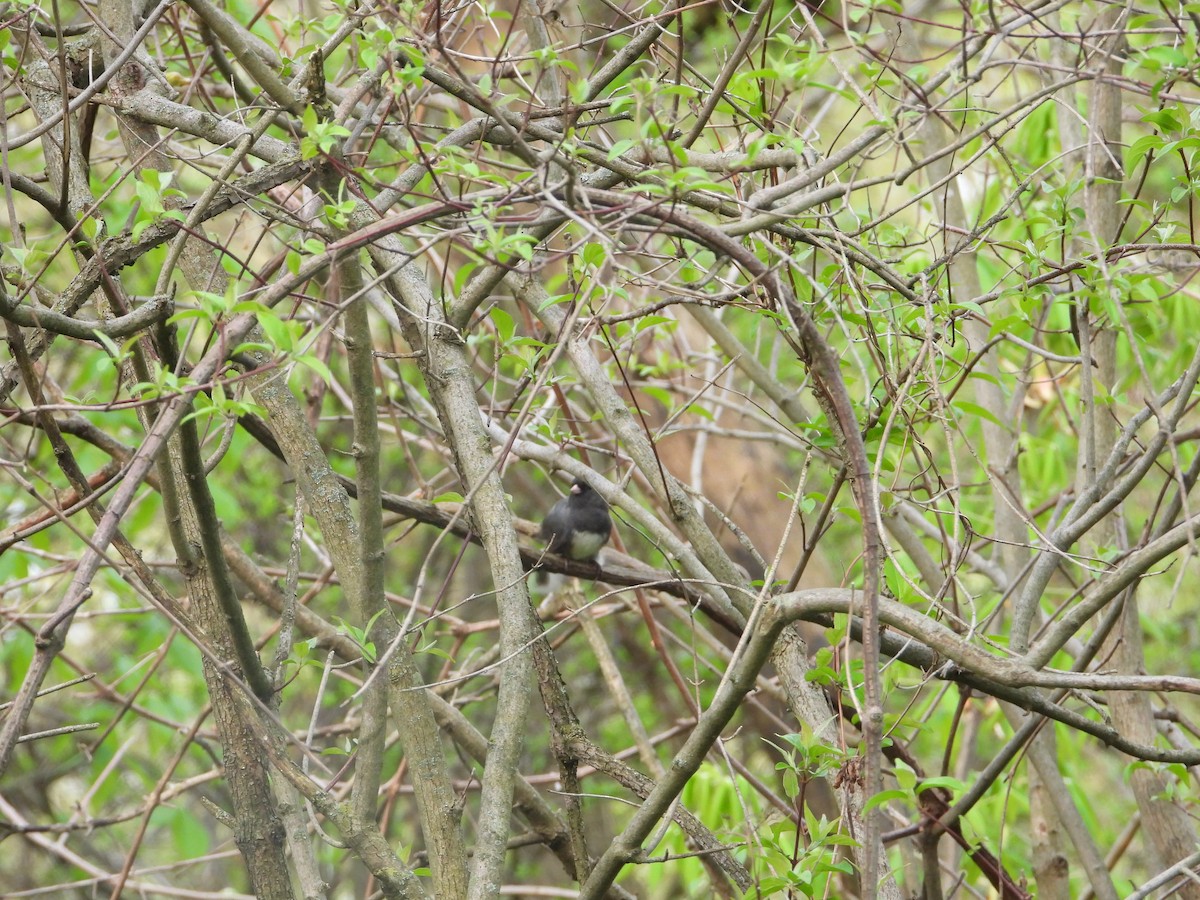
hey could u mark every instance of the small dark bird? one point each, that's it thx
(578, 525)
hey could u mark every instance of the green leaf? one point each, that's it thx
(277, 332)
(593, 254)
(505, 326)
(884, 797)
(943, 781)
(975, 409)
(620, 148)
(317, 365)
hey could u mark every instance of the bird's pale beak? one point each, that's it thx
(575, 489)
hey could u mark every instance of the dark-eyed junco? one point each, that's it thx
(579, 524)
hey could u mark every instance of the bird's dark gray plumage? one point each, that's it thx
(579, 524)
